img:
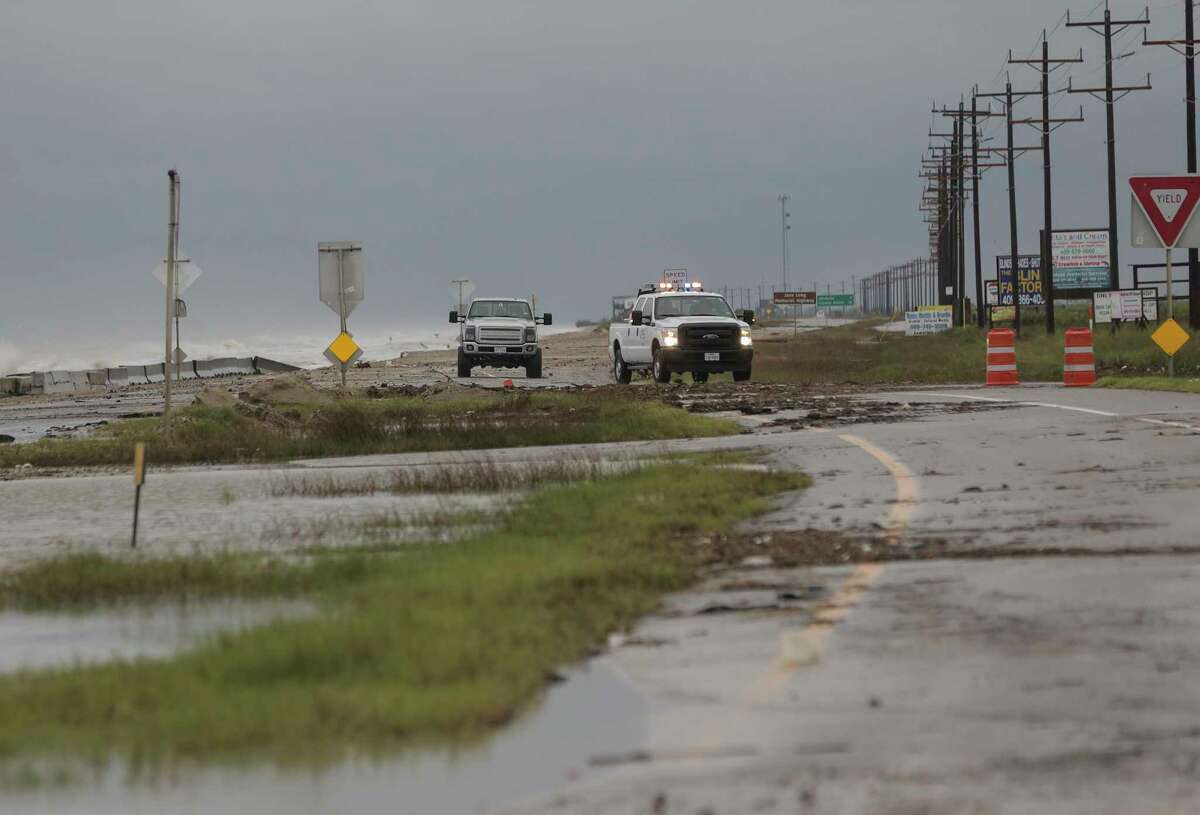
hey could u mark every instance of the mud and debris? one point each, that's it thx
(819, 547)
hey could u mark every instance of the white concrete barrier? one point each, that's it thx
(72, 381)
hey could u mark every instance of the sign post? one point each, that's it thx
(340, 276)
(1163, 207)
(139, 478)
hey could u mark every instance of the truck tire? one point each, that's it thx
(621, 372)
(534, 369)
(741, 376)
(699, 377)
(464, 365)
(662, 374)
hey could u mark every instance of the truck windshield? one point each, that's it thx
(514, 309)
(692, 306)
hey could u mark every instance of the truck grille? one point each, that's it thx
(710, 337)
(500, 336)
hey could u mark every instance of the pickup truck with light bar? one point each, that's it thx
(499, 332)
(681, 329)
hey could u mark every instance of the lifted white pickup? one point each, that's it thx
(500, 332)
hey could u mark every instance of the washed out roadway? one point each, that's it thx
(1032, 683)
(1052, 677)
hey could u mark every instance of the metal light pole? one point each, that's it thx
(172, 281)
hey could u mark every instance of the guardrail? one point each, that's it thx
(125, 375)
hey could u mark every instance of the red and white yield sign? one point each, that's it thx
(1163, 210)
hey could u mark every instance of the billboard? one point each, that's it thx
(928, 320)
(1081, 260)
(1125, 306)
(1029, 280)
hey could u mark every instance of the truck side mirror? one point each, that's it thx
(547, 319)
(454, 317)
(747, 317)
(635, 317)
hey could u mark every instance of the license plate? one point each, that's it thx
(712, 357)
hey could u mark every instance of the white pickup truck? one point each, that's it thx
(500, 332)
(677, 330)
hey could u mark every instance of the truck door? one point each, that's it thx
(639, 341)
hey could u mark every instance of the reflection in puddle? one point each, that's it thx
(594, 712)
(43, 640)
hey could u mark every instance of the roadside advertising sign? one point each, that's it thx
(991, 293)
(676, 277)
(834, 300)
(928, 320)
(1029, 279)
(1081, 260)
(795, 298)
(1125, 306)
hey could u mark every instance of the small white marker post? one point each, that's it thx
(139, 478)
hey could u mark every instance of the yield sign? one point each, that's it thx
(1168, 202)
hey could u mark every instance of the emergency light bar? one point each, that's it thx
(657, 288)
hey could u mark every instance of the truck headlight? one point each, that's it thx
(469, 333)
(530, 335)
(670, 338)
(746, 341)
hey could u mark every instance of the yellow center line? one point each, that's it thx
(804, 646)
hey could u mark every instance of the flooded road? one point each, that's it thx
(35, 640)
(594, 712)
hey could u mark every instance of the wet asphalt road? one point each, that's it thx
(1026, 682)
(1008, 685)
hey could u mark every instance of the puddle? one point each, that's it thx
(44, 640)
(595, 712)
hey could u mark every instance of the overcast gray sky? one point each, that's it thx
(565, 148)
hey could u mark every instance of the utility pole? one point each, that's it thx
(172, 249)
(783, 236)
(1105, 28)
(1187, 48)
(1011, 152)
(1046, 66)
(973, 115)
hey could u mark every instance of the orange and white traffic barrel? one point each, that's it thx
(1079, 359)
(1002, 357)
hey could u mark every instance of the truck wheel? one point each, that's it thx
(700, 377)
(464, 365)
(741, 376)
(621, 372)
(534, 369)
(662, 374)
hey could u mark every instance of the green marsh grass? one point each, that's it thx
(361, 425)
(859, 354)
(428, 643)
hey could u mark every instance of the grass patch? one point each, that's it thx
(433, 642)
(1150, 383)
(483, 477)
(859, 354)
(81, 581)
(364, 425)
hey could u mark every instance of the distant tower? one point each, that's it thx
(784, 228)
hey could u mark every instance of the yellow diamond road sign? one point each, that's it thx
(343, 350)
(1170, 337)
